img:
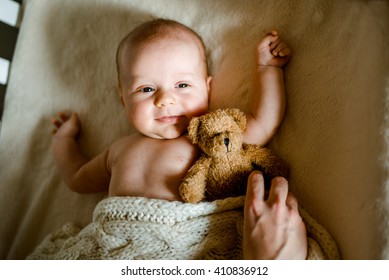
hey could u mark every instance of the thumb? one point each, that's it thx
(71, 126)
(268, 39)
(74, 120)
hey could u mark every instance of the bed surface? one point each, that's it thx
(334, 135)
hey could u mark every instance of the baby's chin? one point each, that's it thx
(168, 134)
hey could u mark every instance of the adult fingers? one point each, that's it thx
(291, 201)
(278, 190)
(254, 194)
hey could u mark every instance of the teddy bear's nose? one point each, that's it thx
(226, 141)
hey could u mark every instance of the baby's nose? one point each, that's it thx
(164, 99)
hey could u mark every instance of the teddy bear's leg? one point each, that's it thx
(192, 189)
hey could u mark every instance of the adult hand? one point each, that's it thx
(273, 228)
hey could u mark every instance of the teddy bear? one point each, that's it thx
(225, 162)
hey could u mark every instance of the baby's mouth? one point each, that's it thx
(170, 119)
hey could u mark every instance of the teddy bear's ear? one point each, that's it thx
(193, 129)
(239, 117)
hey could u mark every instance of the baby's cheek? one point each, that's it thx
(200, 110)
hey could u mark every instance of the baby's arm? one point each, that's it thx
(79, 173)
(268, 105)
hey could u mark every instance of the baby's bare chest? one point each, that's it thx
(159, 156)
(152, 167)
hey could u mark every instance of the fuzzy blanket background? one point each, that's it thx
(334, 135)
(138, 228)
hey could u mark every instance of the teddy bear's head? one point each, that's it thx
(218, 132)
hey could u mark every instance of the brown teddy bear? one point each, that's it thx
(225, 163)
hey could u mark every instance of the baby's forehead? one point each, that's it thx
(173, 34)
(132, 49)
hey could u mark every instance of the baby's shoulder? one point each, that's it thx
(123, 143)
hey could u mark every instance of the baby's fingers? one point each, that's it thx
(285, 52)
(64, 117)
(268, 40)
(66, 126)
(280, 49)
(59, 120)
(56, 122)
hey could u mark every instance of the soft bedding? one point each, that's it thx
(153, 229)
(334, 135)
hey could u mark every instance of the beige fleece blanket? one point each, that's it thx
(151, 229)
(334, 135)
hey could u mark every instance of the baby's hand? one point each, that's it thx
(273, 51)
(65, 125)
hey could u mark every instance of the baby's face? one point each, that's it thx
(164, 85)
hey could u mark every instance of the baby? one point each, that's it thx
(163, 82)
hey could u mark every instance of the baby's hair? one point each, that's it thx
(154, 31)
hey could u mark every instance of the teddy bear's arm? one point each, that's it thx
(269, 163)
(192, 189)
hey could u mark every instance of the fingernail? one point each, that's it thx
(256, 175)
(280, 180)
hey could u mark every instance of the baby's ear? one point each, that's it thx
(238, 116)
(119, 92)
(193, 129)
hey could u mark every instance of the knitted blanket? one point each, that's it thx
(140, 228)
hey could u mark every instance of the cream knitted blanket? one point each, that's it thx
(140, 228)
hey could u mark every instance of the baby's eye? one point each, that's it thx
(183, 85)
(146, 89)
